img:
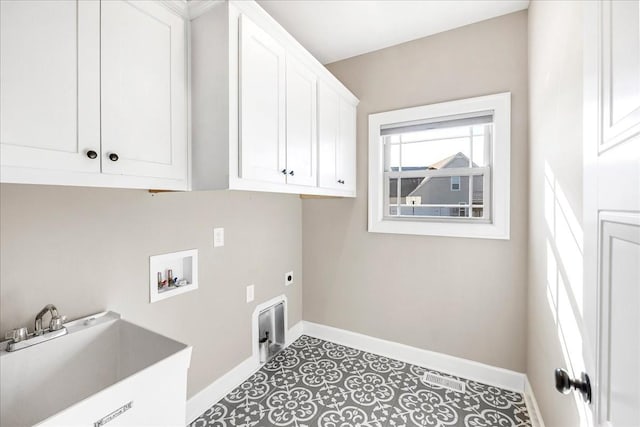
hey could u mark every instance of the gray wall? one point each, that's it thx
(86, 250)
(464, 297)
(555, 135)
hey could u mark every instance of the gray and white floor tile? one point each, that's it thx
(316, 383)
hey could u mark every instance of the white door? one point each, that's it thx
(301, 125)
(49, 85)
(262, 105)
(143, 90)
(346, 147)
(612, 211)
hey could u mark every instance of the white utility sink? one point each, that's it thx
(105, 371)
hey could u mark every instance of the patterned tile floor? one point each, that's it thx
(319, 383)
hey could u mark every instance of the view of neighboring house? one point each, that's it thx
(449, 190)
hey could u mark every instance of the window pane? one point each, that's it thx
(435, 197)
(393, 191)
(439, 148)
(478, 197)
(482, 135)
(436, 154)
(393, 151)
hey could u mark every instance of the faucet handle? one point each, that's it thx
(56, 322)
(17, 335)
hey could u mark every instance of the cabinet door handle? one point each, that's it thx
(113, 157)
(291, 173)
(284, 171)
(92, 154)
(341, 181)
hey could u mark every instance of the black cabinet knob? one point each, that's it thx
(291, 173)
(341, 181)
(284, 171)
(113, 157)
(92, 154)
(564, 384)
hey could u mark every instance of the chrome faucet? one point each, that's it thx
(54, 324)
(21, 338)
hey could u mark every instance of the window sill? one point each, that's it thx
(441, 229)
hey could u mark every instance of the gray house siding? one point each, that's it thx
(438, 191)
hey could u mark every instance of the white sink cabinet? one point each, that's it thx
(104, 368)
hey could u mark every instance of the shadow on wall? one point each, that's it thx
(564, 253)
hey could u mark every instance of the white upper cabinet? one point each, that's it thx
(93, 93)
(255, 107)
(49, 85)
(143, 85)
(262, 105)
(328, 113)
(301, 125)
(336, 140)
(346, 147)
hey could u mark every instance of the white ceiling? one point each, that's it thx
(337, 29)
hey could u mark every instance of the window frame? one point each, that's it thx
(498, 227)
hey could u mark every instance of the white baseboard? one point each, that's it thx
(295, 332)
(218, 389)
(215, 391)
(532, 405)
(468, 369)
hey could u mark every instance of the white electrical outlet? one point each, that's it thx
(250, 293)
(218, 237)
(288, 278)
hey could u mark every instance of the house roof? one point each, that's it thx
(409, 185)
(443, 164)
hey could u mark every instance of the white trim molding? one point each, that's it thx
(199, 7)
(495, 227)
(467, 369)
(210, 395)
(532, 405)
(179, 7)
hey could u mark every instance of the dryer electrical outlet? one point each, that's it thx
(288, 278)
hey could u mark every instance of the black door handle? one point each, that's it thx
(92, 154)
(113, 157)
(564, 384)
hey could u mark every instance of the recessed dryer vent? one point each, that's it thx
(271, 339)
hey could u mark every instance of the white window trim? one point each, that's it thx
(499, 226)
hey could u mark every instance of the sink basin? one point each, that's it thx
(105, 371)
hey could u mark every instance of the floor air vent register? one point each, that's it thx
(445, 382)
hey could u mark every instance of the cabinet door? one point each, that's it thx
(49, 84)
(262, 105)
(346, 147)
(328, 108)
(144, 102)
(301, 125)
